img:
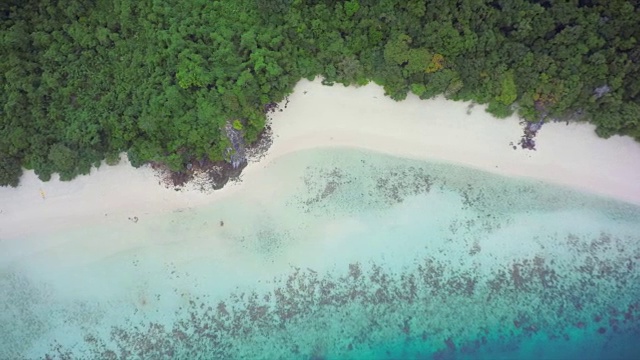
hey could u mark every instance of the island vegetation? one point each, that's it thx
(84, 80)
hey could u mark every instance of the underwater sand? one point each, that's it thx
(347, 255)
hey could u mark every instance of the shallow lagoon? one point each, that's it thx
(348, 255)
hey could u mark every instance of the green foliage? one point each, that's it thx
(499, 109)
(237, 125)
(396, 51)
(159, 79)
(191, 71)
(418, 89)
(112, 159)
(64, 160)
(10, 171)
(508, 93)
(351, 7)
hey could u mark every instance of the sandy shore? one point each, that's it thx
(321, 116)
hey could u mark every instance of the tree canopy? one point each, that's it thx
(83, 81)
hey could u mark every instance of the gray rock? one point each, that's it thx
(235, 154)
(601, 91)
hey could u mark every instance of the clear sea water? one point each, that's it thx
(347, 255)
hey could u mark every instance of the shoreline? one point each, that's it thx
(319, 116)
(566, 154)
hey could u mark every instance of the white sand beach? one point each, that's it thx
(338, 116)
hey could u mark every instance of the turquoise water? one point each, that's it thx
(347, 255)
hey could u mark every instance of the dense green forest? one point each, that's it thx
(83, 80)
